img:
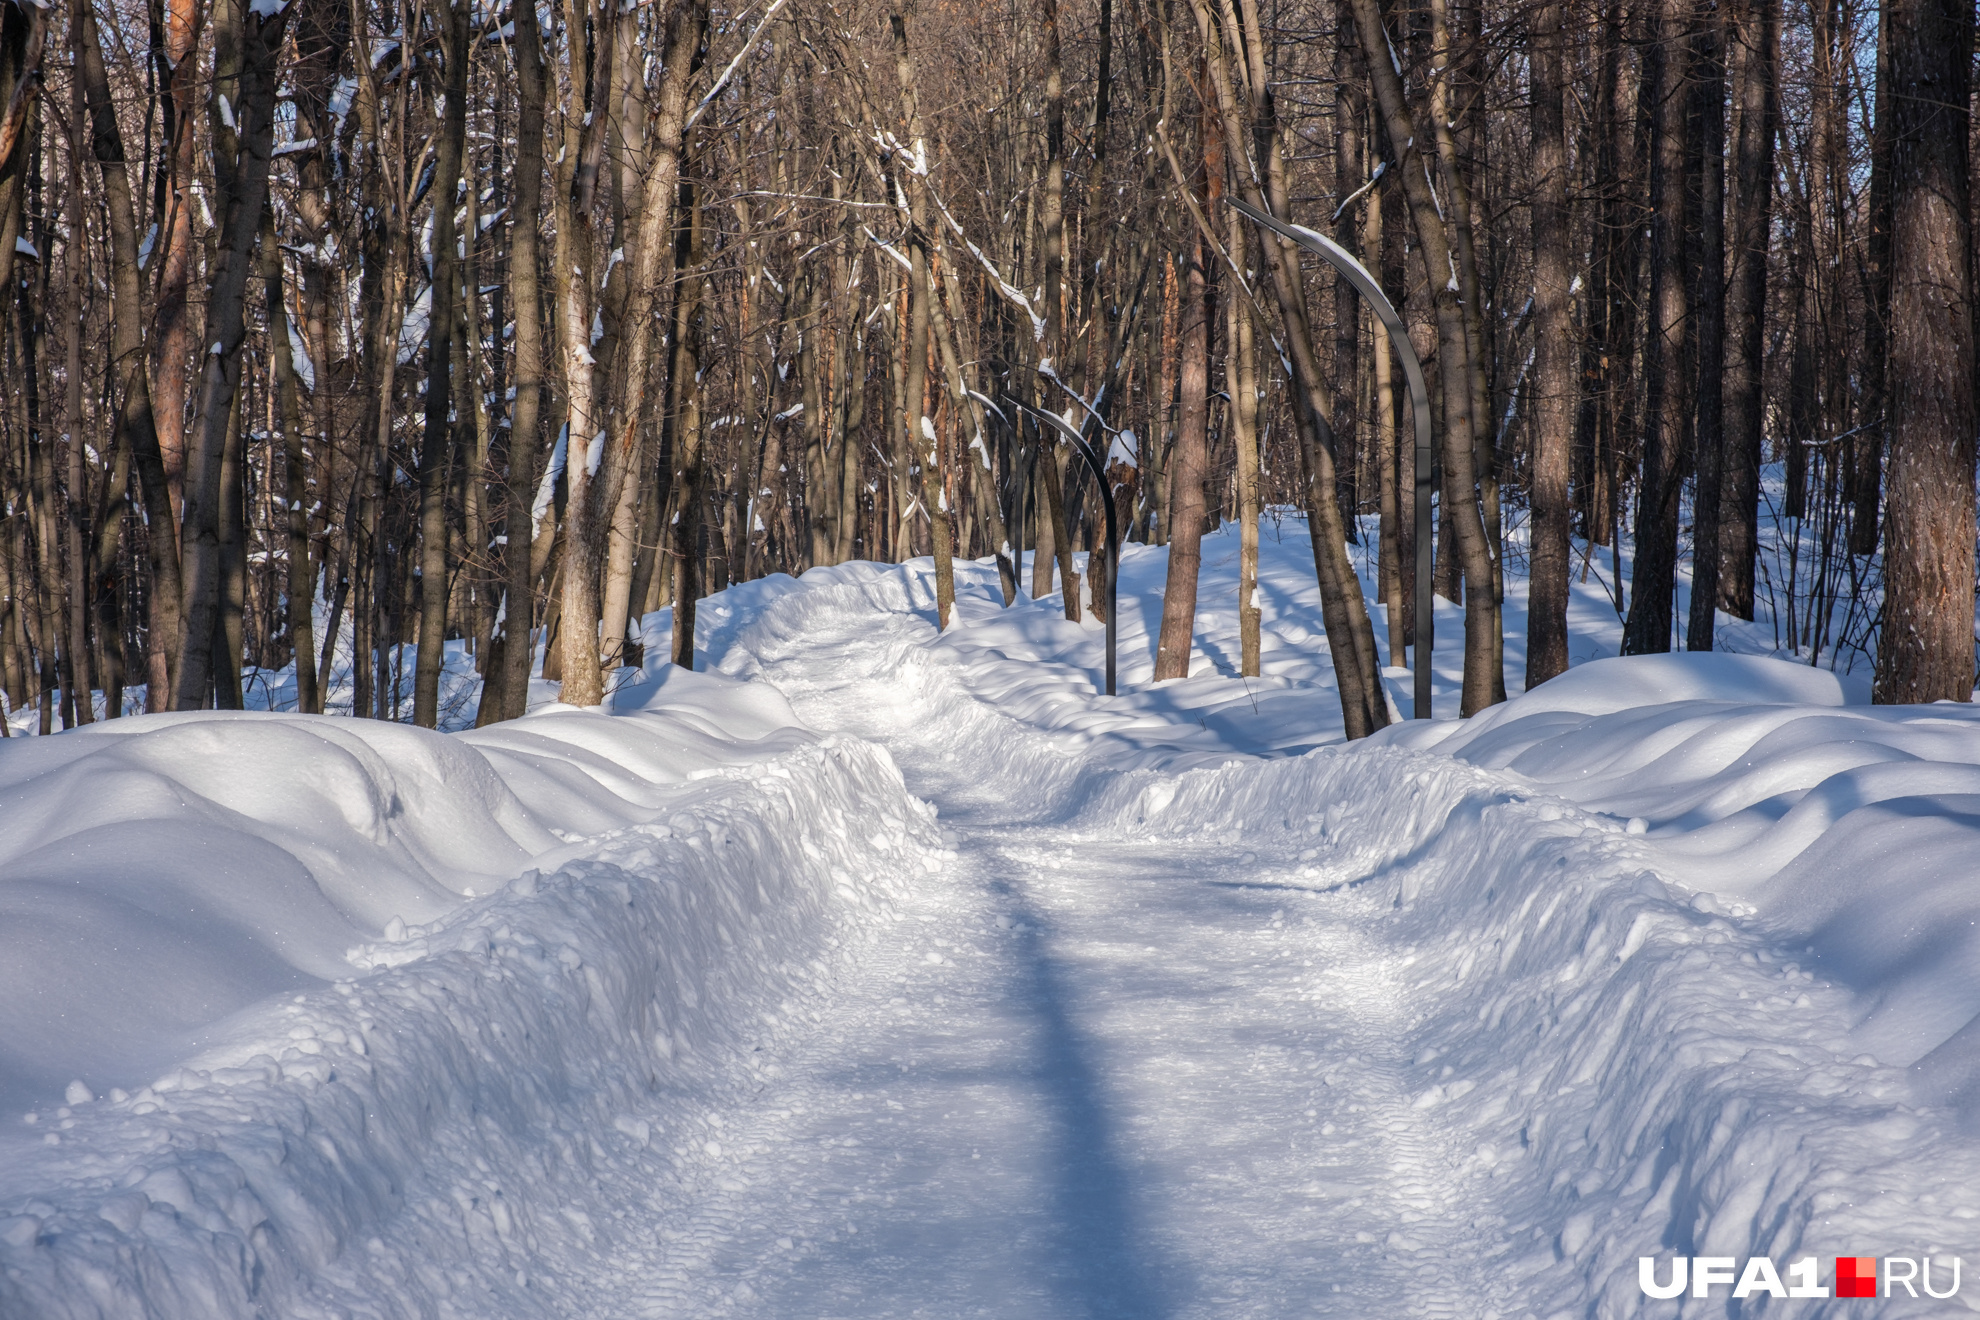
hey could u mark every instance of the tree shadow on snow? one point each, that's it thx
(1111, 1273)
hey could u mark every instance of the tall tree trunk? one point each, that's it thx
(1669, 381)
(690, 469)
(1868, 483)
(178, 71)
(1553, 351)
(1235, 65)
(299, 581)
(1184, 514)
(436, 444)
(1925, 651)
(618, 421)
(1388, 459)
(509, 679)
(1757, 31)
(1053, 222)
(247, 48)
(1350, 166)
(1709, 439)
(75, 492)
(135, 420)
(1241, 377)
(577, 178)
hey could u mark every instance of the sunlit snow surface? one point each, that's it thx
(952, 988)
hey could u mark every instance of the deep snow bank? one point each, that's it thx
(1854, 832)
(420, 992)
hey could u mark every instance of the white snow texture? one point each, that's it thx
(883, 972)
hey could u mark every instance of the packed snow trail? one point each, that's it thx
(1080, 1078)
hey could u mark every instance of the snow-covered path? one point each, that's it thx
(1075, 1077)
(882, 972)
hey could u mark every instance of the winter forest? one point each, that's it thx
(1041, 659)
(338, 330)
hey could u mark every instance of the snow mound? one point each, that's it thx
(353, 994)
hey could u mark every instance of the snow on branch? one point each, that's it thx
(918, 165)
(762, 25)
(887, 248)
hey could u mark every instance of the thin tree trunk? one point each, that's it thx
(510, 678)
(576, 264)
(1710, 436)
(437, 436)
(300, 582)
(1868, 483)
(178, 68)
(1242, 376)
(1184, 514)
(1757, 30)
(1388, 459)
(1053, 222)
(75, 494)
(620, 420)
(690, 477)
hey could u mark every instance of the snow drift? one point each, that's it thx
(415, 987)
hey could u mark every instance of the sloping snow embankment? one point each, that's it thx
(418, 1000)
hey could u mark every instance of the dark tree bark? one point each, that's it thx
(1053, 223)
(690, 469)
(1869, 454)
(1350, 168)
(1756, 29)
(437, 437)
(1709, 437)
(1925, 651)
(506, 694)
(247, 48)
(299, 584)
(1553, 351)
(922, 439)
(135, 424)
(1669, 383)
(1460, 427)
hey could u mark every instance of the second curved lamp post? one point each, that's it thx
(1419, 405)
(1099, 470)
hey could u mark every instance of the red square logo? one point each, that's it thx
(1856, 1276)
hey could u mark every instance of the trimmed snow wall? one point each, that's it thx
(481, 1087)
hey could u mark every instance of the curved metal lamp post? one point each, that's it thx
(1419, 403)
(1099, 471)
